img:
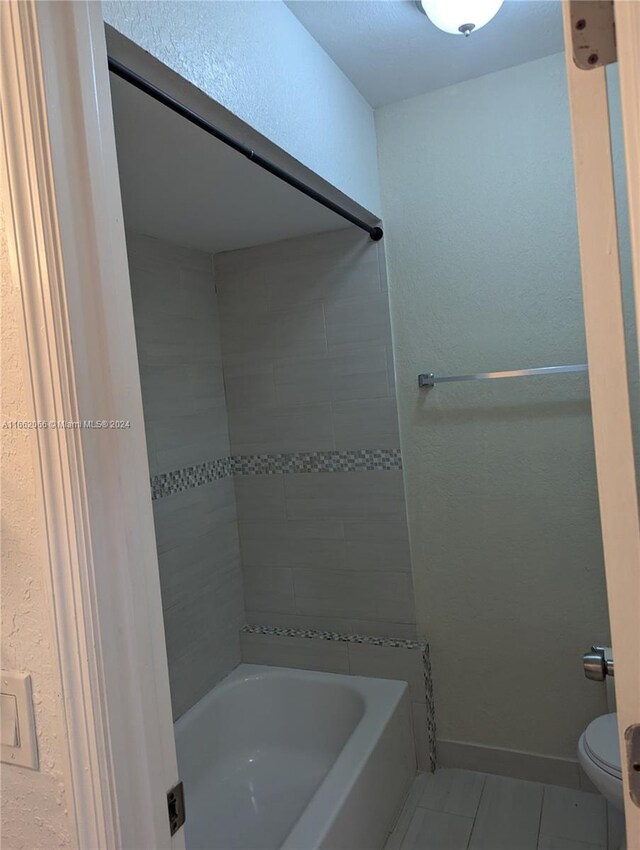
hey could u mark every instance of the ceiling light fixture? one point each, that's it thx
(460, 17)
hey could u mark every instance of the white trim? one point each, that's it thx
(534, 767)
(605, 334)
(627, 15)
(69, 259)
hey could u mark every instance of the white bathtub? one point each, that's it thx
(291, 759)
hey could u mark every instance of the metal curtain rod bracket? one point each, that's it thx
(428, 379)
(167, 100)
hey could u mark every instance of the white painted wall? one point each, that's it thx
(35, 808)
(481, 242)
(258, 61)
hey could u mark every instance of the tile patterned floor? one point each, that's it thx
(463, 810)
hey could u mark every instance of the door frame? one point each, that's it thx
(68, 259)
(627, 15)
(68, 256)
(606, 348)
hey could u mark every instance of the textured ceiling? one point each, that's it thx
(391, 51)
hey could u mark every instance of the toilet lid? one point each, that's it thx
(601, 742)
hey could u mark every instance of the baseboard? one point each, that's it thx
(519, 765)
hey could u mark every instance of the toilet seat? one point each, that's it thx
(601, 744)
(599, 757)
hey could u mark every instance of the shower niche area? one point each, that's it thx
(264, 348)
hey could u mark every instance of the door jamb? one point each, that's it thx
(608, 381)
(68, 258)
(627, 17)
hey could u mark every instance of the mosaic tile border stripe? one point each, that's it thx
(168, 483)
(354, 460)
(430, 704)
(372, 640)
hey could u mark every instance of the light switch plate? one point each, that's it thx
(18, 744)
(9, 718)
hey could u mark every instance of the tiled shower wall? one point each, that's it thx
(178, 337)
(307, 432)
(313, 427)
(308, 369)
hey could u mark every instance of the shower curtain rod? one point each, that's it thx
(139, 82)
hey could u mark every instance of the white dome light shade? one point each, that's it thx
(460, 17)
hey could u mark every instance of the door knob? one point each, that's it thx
(596, 666)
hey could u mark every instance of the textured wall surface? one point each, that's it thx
(178, 339)
(308, 367)
(484, 274)
(34, 803)
(258, 61)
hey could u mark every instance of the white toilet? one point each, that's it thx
(599, 755)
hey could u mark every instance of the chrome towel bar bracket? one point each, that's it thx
(428, 379)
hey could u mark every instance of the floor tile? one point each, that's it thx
(455, 809)
(508, 815)
(548, 842)
(437, 831)
(576, 815)
(615, 828)
(402, 824)
(454, 791)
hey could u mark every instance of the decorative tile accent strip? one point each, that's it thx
(372, 640)
(431, 708)
(168, 483)
(353, 460)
